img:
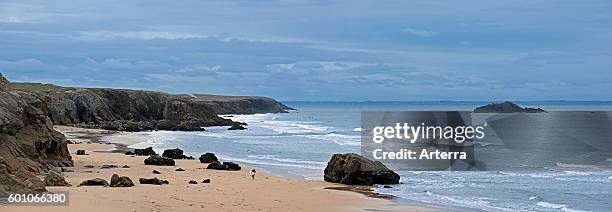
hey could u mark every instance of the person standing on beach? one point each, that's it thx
(253, 173)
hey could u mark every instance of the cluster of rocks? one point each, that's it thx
(214, 163)
(150, 125)
(506, 107)
(80, 152)
(196, 182)
(166, 159)
(121, 181)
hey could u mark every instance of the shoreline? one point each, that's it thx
(228, 190)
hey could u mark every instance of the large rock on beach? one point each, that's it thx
(230, 166)
(122, 181)
(354, 169)
(208, 158)
(94, 182)
(154, 181)
(175, 154)
(159, 161)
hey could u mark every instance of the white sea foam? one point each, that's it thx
(287, 160)
(338, 139)
(473, 202)
(270, 163)
(557, 207)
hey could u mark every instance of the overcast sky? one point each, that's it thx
(316, 50)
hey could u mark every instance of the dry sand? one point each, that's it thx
(228, 190)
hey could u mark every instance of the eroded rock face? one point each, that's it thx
(28, 143)
(4, 83)
(353, 169)
(122, 181)
(54, 178)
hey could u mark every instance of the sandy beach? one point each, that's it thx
(228, 190)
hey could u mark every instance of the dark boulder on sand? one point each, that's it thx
(122, 181)
(156, 172)
(193, 182)
(142, 152)
(94, 182)
(208, 158)
(80, 152)
(159, 161)
(175, 154)
(232, 166)
(180, 170)
(506, 107)
(353, 169)
(153, 181)
(54, 178)
(206, 181)
(217, 165)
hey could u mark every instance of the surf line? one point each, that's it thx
(408, 154)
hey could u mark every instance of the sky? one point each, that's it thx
(316, 50)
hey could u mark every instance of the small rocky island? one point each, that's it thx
(506, 107)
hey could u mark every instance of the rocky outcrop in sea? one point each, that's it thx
(506, 107)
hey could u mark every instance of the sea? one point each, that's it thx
(299, 144)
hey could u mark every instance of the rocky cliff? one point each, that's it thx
(241, 104)
(134, 110)
(28, 144)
